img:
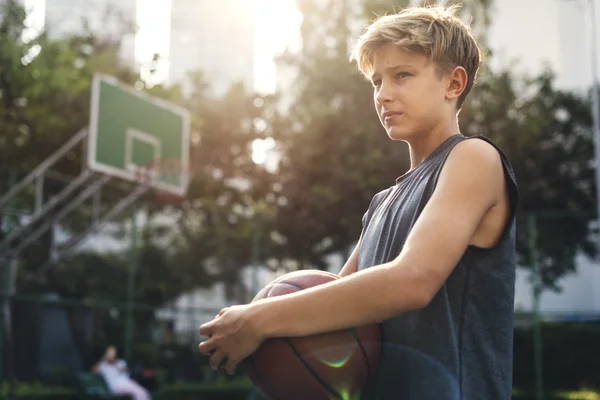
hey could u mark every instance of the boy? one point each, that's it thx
(436, 258)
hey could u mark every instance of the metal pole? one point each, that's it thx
(537, 286)
(10, 359)
(44, 209)
(72, 244)
(255, 254)
(131, 288)
(7, 228)
(80, 198)
(595, 104)
(41, 169)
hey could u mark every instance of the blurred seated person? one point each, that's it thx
(115, 373)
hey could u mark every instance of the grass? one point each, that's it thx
(558, 395)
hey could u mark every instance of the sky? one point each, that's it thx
(277, 22)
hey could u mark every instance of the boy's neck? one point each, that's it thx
(422, 145)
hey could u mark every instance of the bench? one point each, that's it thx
(93, 386)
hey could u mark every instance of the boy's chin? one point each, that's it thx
(397, 133)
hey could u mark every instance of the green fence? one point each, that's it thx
(54, 339)
(51, 338)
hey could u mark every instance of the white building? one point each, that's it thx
(216, 37)
(540, 33)
(555, 34)
(20, 2)
(110, 19)
(536, 34)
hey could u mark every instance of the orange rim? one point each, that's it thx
(145, 174)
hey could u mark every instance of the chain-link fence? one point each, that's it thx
(557, 303)
(55, 340)
(557, 322)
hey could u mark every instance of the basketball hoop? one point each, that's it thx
(156, 172)
(143, 174)
(169, 198)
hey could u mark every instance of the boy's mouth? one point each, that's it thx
(388, 115)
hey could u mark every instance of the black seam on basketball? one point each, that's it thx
(269, 291)
(354, 334)
(313, 373)
(290, 284)
(263, 384)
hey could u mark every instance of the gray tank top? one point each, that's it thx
(460, 346)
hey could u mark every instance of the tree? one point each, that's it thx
(335, 149)
(217, 222)
(42, 78)
(337, 155)
(209, 236)
(547, 135)
(44, 88)
(476, 11)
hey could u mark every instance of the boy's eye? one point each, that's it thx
(400, 75)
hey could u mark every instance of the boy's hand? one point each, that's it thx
(232, 337)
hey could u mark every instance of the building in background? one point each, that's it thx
(534, 35)
(544, 33)
(110, 19)
(216, 37)
(28, 34)
(21, 2)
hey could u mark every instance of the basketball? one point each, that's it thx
(335, 365)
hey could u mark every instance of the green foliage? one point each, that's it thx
(335, 156)
(338, 156)
(238, 390)
(547, 135)
(45, 87)
(44, 90)
(374, 8)
(213, 229)
(558, 395)
(220, 390)
(38, 391)
(569, 354)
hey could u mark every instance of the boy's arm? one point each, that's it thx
(471, 182)
(351, 265)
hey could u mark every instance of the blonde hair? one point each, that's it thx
(433, 31)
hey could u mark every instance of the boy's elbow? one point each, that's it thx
(416, 292)
(421, 298)
(408, 300)
(425, 287)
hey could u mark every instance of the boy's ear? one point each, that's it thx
(457, 83)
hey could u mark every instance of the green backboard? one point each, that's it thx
(130, 130)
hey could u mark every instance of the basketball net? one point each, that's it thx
(146, 175)
(143, 174)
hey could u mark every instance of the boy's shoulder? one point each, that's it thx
(477, 151)
(485, 150)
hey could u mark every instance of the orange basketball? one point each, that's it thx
(319, 367)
